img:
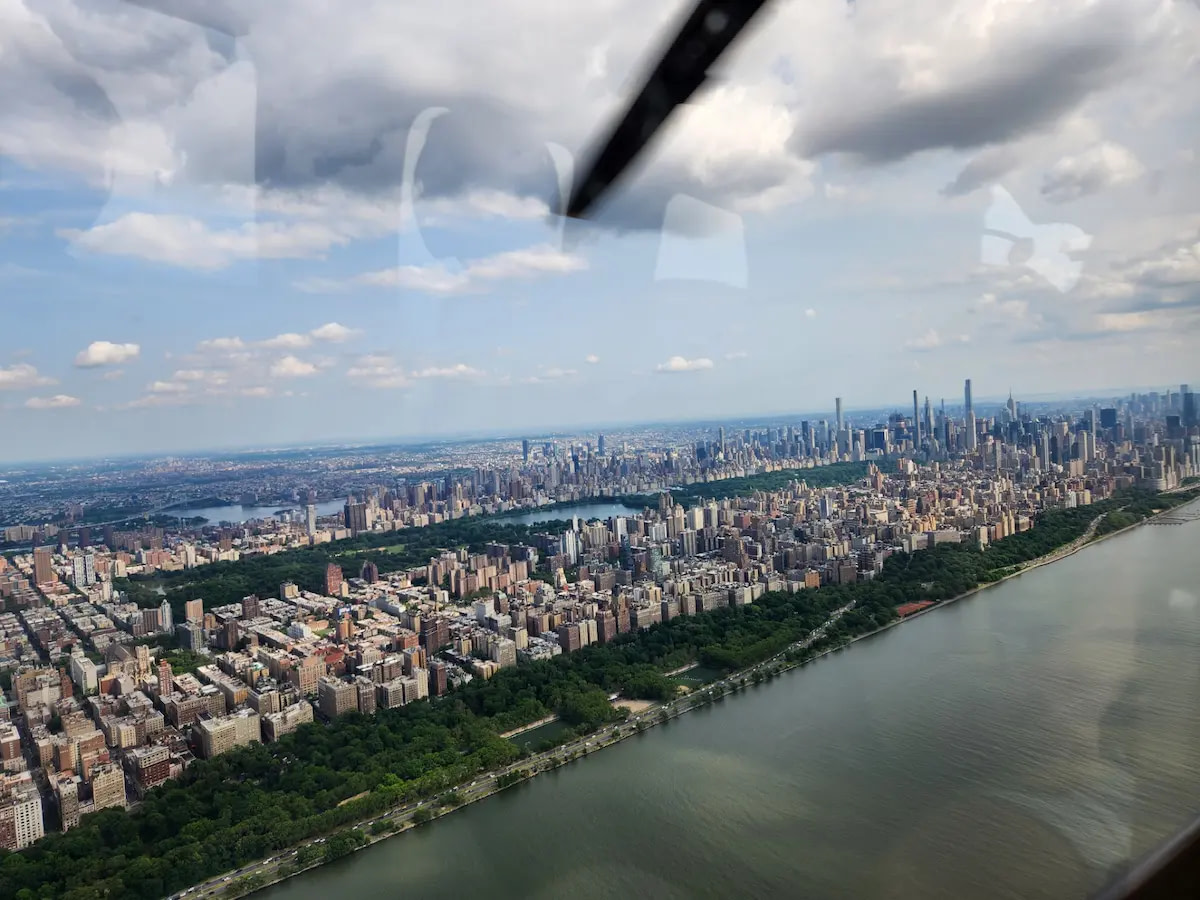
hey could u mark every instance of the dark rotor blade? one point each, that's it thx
(708, 32)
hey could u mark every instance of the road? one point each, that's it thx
(532, 765)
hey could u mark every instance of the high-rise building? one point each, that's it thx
(108, 786)
(970, 417)
(916, 421)
(43, 565)
(83, 570)
(251, 608)
(333, 580)
(838, 409)
(356, 517)
(20, 811)
(310, 519)
(193, 610)
(525, 450)
(336, 697)
(164, 677)
(600, 445)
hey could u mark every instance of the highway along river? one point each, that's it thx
(1022, 743)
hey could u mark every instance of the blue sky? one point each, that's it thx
(205, 241)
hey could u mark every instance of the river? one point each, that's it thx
(1022, 743)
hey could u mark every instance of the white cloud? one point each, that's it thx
(222, 344)
(58, 401)
(20, 376)
(333, 332)
(288, 341)
(436, 278)
(292, 367)
(591, 359)
(810, 313)
(193, 374)
(190, 243)
(379, 371)
(1125, 322)
(166, 387)
(105, 353)
(113, 375)
(928, 341)
(681, 364)
(1103, 166)
(737, 354)
(458, 370)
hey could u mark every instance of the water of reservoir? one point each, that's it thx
(236, 514)
(1022, 743)
(585, 512)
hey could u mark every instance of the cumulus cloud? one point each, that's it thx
(1097, 168)
(894, 79)
(222, 344)
(333, 332)
(736, 354)
(292, 367)
(105, 353)
(591, 359)
(458, 370)
(58, 401)
(682, 364)
(437, 278)
(984, 78)
(22, 375)
(192, 244)
(287, 341)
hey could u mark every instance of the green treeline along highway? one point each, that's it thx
(254, 801)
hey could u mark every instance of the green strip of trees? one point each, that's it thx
(255, 801)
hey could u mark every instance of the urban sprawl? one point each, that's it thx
(95, 715)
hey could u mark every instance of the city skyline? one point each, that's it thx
(584, 426)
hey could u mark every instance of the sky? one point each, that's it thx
(251, 223)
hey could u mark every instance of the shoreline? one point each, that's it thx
(696, 699)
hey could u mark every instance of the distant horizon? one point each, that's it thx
(492, 436)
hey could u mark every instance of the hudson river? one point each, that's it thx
(1021, 743)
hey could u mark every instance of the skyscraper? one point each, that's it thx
(916, 421)
(928, 419)
(43, 565)
(837, 402)
(310, 519)
(525, 450)
(356, 516)
(600, 445)
(970, 416)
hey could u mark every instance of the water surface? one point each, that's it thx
(1023, 743)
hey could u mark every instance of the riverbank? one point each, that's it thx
(1088, 539)
(404, 818)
